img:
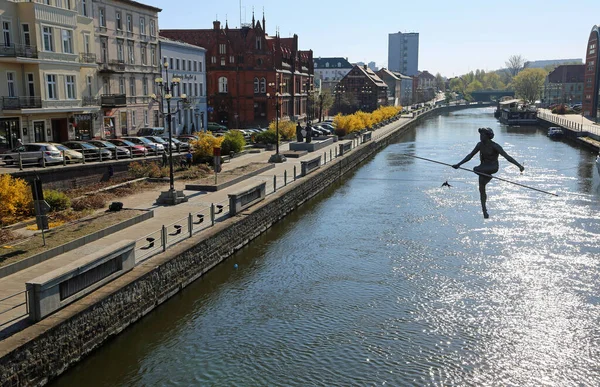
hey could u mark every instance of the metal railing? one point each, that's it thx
(19, 50)
(12, 303)
(86, 57)
(569, 123)
(18, 103)
(113, 100)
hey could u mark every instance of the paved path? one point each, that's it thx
(199, 202)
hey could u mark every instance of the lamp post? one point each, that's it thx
(166, 88)
(277, 157)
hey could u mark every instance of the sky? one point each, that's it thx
(453, 39)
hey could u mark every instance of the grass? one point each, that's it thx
(14, 251)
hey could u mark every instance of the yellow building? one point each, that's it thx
(48, 71)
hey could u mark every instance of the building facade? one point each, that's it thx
(425, 86)
(403, 53)
(329, 71)
(394, 84)
(46, 66)
(406, 94)
(364, 88)
(127, 51)
(188, 63)
(564, 85)
(251, 76)
(591, 86)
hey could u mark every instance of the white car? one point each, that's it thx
(34, 153)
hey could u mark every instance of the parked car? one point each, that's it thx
(89, 151)
(136, 149)
(179, 145)
(215, 127)
(39, 153)
(161, 141)
(151, 132)
(152, 147)
(327, 126)
(118, 152)
(324, 129)
(70, 155)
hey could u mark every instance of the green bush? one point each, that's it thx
(233, 142)
(139, 170)
(267, 137)
(58, 201)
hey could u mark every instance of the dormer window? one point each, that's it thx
(258, 43)
(326, 64)
(339, 64)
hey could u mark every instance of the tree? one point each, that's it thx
(492, 81)
(515, 64)
(528, 84)
(441, 84)
(325, 102)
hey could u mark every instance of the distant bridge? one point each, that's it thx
(489, 95)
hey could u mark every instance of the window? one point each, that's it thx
(86, 43)
(183, 65)
(106, 86)
(263, 85)
(132, 86)
(153, 54)
(84, 10)
(144, 54)
(145, 117)
(6, 33)
(133, 118)
(177, 63)
(129, 23)
(213, 59)
(102, 17)
(26, 35)
(48, 40)
(222, 61)
(122, 85)
(89, 85)
(184, 88)
(222, 48)
(142, 26)
(195, 66)
(256, 86)
(119, 21)
(152, 28)
(171, 63)
(10, 82)
(67, 41)
(30, 85)
(200, 66)
(201, 90)
(130, 52)
(145, 86)
(222, 85)
(104, 49)
(258, 43)
(51, 86)
(70, 87)
(189, 65)
(120, 54)
(231, 59)
(196, 89)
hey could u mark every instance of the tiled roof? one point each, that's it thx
(567, 74)
(320, 63)
(371, 74)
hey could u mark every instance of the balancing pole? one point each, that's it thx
(483, 174)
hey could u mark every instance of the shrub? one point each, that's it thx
(203, 147)
(58, 201)
(195, 172)
(233, 141)
(91, 202)
(15, 196)
(139, 170)
(268, 137)
(287, 129)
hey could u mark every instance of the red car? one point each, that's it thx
(136, 150)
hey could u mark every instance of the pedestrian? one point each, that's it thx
(488, 155)
(19, 142)
(165, 160)
(189, 157)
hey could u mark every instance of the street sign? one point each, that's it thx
(210, 109)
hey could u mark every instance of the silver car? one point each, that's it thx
(34, 153)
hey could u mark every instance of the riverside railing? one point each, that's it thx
(569, 123)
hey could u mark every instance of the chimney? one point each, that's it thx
(365, 67)
(217, 25)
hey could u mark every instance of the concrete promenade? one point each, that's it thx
(16, 319)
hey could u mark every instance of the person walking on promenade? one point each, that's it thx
(189, 157)
(488, 155)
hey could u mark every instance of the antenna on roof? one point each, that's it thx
(240, 13)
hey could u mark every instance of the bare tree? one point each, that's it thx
(515, 64)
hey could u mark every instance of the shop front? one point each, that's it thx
(83, 126)
(9, 133)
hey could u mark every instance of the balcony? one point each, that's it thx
(87, 57)
(18, 103)
(19, 50)
(113, 100)
(90, 101)
(113, 66)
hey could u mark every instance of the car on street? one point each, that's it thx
(89, 151)
(163, 141)
(35, 153)
(215, 127)
(180, 146)
(70, 155)
(118, 152)
(152, 147)
(136, 149)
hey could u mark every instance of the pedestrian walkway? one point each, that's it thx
(163, 215)
(576, 122)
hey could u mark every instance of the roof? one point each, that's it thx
(179, 43)
(334, 62)
(142, 5)
(388, 73)
(371, 74)
(509, 101)
(567, 74)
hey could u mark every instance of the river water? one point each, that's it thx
(388, 278)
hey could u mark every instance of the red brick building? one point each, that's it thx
(591, 84)
(246, 68)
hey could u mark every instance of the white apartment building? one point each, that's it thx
(329, 71)
(128, 62)
(47, 67)
(188, 63)
(403, 53)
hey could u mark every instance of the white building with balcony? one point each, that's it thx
(126, 44)
(47, 68)
(186, 62)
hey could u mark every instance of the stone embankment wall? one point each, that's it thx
(45, 350)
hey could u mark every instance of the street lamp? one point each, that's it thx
(277, 157)
(166, 88)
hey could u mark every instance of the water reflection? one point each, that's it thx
(391, 279)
